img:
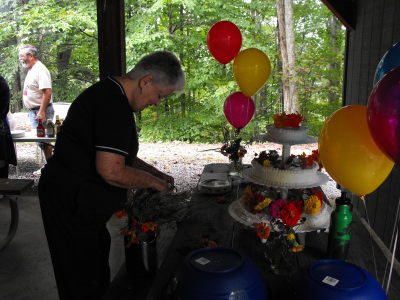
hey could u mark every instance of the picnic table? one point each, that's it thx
(11, 189)
(211, 220)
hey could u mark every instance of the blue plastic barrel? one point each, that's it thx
(335, 279)
(219, 273)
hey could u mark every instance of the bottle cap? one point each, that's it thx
(343, 200)
(49, 120)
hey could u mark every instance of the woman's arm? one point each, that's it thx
(111, 167)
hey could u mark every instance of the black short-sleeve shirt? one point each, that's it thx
(100, 119)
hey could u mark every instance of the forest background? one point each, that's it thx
(65, 33)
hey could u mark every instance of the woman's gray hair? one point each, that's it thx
(29, 49)
(163, 66)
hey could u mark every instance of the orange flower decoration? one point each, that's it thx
(247, 194)
(242, 153)
(310, 160)
(148, 226)
(279, 120)
(263, 230)
(284, 120)
(121, 213)
(315, 156)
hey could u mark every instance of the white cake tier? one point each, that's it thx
(314, 222)
(291, 177)
(287, 134)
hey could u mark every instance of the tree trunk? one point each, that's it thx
(183, 98)
(333, 27)
(282, 34)
(290, 40)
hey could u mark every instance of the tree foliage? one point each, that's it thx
(65, 33)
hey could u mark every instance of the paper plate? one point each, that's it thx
(321, 180)
(17, 133)
(214, 186)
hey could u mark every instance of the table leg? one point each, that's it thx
(14, 222)
(16, 155)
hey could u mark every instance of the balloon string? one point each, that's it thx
(370, 238)
(230, 104)
(391, 245)
(391, 267)
(229, 97)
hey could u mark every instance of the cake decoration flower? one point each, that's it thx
(276, 208)
(272, 159)
(291, 236)
(263, 231)
(290, 214)
(316, 158)
(282, 211)
(266, 163)
(279, 119)
(260, 206)
(291, 120)
(312, 205)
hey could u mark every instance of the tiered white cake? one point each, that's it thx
(287, 134)
(291, 177)
(284, 176)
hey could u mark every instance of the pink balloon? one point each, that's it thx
(238, 109)
(383, 113)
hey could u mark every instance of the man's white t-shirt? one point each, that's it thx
(37, 79)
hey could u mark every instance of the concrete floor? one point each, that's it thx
(26, 271)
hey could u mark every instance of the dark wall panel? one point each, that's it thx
(377, 28)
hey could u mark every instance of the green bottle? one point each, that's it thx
(340, 229)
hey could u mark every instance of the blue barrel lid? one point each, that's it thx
(338, 274)
(216, 259)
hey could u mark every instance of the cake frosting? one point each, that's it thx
(287, 134)
(319, 220)
(291, 177)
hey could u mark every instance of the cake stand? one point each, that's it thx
(241, 215)
(286, 148)
(287, 145)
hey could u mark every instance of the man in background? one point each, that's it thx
(37, 91)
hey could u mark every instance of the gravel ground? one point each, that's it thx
(184, 162)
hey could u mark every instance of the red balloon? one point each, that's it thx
(224, 41)
(383, 113)
(238, 109)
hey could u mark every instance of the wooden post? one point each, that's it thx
(111, 28)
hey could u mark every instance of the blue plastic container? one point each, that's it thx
(335, 279)
(219, 273)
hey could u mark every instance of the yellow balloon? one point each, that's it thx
(251, 69)
(349, 153)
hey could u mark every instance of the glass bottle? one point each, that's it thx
(58, 124)
(40, 129)
(50, 128)
(340, 229)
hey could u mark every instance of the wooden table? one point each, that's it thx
(211, 220)
(11, 189)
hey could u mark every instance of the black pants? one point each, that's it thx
(79, 247)
(4, 171)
